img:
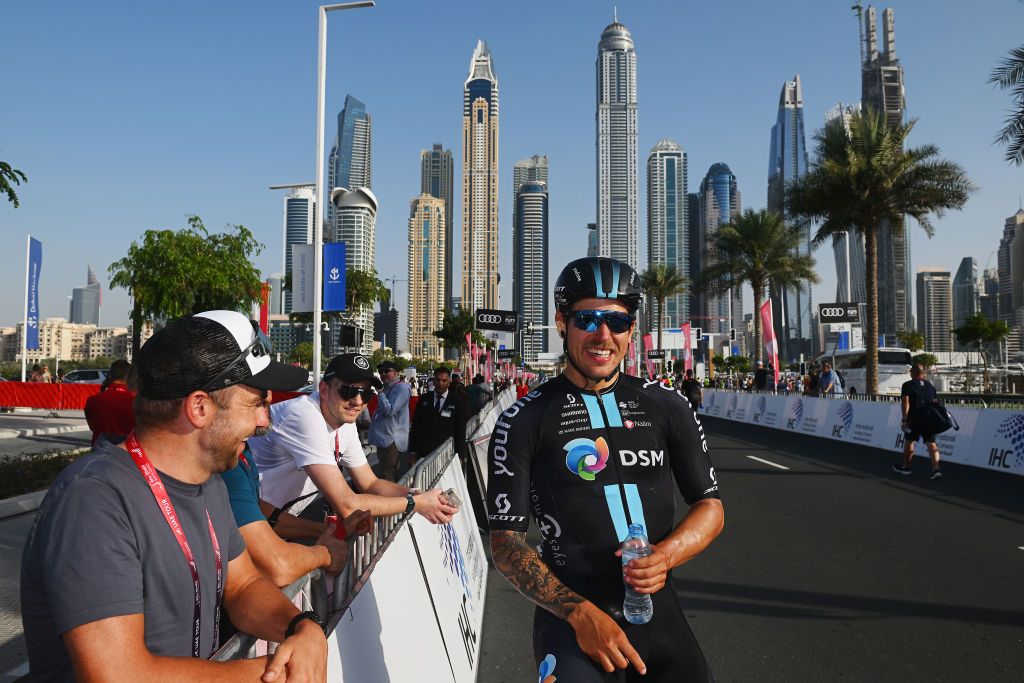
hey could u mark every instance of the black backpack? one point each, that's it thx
(930, 415)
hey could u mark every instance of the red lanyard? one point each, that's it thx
(163, 501)
(337, 448)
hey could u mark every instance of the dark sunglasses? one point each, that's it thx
(589, 321)
(258, 347)
(348, 393)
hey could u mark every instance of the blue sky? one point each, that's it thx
(132, 115)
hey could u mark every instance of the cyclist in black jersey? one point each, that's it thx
(585, 454)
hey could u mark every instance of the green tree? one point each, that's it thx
(756, 248)
(982, 333)
(862, 179)
(454, 328)
(302, 353)
(1009, 75)
(928, 360)
(911, 339)
(175, 273)
(660, 282)
(363, 289)
(8, 175)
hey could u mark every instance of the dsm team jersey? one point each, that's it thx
(554, 456)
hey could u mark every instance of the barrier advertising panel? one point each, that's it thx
(988, 438)
(456, 570)
(390, 626)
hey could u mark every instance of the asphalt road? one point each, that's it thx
(836, 568)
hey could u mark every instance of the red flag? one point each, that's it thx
(771, 345)
(687, 347)
(264, 306)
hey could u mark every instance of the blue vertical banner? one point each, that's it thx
(334, 276)
(35, 265)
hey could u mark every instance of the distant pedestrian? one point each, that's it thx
(691, 390)
(389, 429)
(917, 393)
(110, 411)
(45, 377)
(827, 381)
(760, 377)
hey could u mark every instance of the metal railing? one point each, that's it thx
(331, 596)
(980, 401)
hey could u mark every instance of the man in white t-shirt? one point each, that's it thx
(314, 436)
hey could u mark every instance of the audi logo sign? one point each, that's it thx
(838, 313)
(497, 321)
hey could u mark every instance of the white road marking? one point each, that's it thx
(768, 462)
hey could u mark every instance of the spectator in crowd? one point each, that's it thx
(265, 529)
(827, 381)
(60, 375)
(110, 411)
(916, 393)
(106, 594)
(479, 394)
(760, 377)
(45, 377)
(439, 415)
(389, 429)
(522, 389)
(691, 390)
(37, 373)
(315, 435)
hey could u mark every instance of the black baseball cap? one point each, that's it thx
(209, 351)
(351, 367)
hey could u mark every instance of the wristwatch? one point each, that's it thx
(311, 615)
(411, 505)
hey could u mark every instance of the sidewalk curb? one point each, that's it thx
(41, 431)
(19, 505)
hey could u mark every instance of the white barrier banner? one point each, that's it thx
(389, 632)
(987, 438)
(456, 569)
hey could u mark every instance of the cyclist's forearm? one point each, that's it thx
(702, 524)
(522, 567)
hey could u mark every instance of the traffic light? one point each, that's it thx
(732, 334)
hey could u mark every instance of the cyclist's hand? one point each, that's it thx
(433, 505)
(602, 640)
(647, 574)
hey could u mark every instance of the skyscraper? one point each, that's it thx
(530, 249)
(356, 217)
(966, 294)
(988, 301)
(299, 205)
(348, 165)
(436, 173)
(427, 299)
(532, 170)
(85, 301)
(385, 324)
(698, 309)
(591, 239)
(668, 225)
(787, 161)
(720, 201)
(617, 160)
(882, 92)
(848, 246)
(935, 308)
(1009, 279)
(480, 182)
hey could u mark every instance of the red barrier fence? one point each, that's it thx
(64, 396)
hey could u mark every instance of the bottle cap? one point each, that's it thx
(636, 530)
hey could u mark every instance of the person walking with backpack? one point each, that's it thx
(917, 394)
(691, 390)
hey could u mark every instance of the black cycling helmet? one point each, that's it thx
(598, 277)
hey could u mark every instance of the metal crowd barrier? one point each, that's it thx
(331, 596)
(964, 400)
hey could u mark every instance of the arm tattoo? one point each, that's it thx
(522, 567)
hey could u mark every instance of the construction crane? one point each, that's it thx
(859, 10)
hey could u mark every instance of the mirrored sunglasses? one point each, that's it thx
(348, 393)
(588, 320)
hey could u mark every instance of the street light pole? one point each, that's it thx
(318, 211)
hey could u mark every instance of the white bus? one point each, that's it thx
(893, 369)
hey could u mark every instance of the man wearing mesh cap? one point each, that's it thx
(134, 550)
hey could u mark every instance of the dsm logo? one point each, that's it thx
(795, 414)
(1012, 430)
(845, 415)
(759, 409)
(585, 457)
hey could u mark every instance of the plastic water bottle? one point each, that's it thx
(637, 608)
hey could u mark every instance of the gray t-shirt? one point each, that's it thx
(100, 548)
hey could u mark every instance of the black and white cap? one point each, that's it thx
(209, 351)
(351, 367)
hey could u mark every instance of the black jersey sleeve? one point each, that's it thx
(688, 450)
(509, 458)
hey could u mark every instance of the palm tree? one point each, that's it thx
(661, 281)
(862, 179)
(757, 247)
(1009, 75)
(455, 325)
(8, 175)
